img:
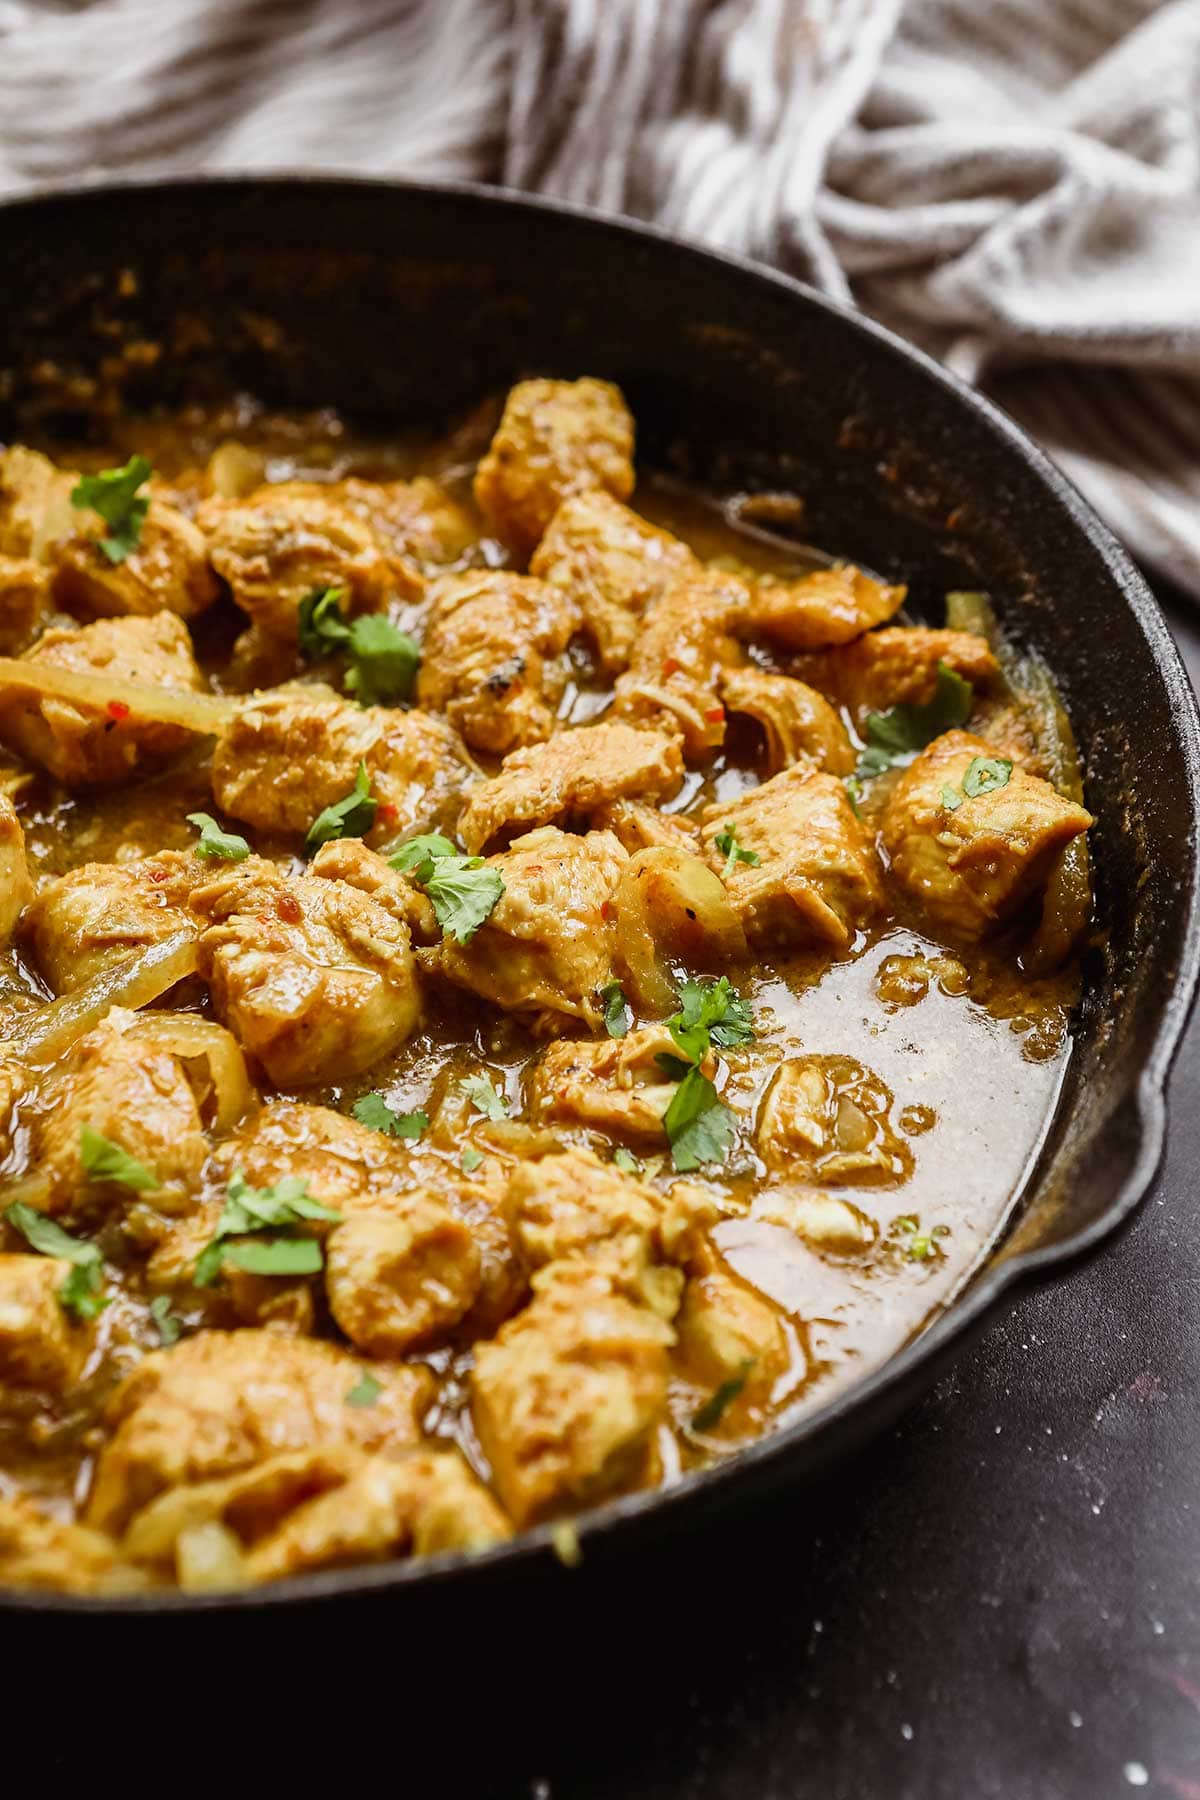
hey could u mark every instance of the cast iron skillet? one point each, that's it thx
(412, 303)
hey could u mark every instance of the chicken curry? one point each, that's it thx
(514, 984)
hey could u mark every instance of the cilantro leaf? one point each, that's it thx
(626, 1161)
(113, 494)
(464, 894)
(169, 1327)
(352, 816)
(484, 1097)
(249, 1210)
(951, 798)
(214, 842)
(710, 1012)
(727, 846)
(365, 1391)
(105, 1161)
(384, 661)
(418, 856)
(320, 628)
(373, 1110)
(82, 1293)
(709, 1416)
(470, 1161)
(699, 1126)
(986, 774)
(895, 736)
(275, 1255)
(617, 1016)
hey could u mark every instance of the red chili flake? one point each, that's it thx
(118, 709)
(387, 810)
(607, 910)
(715, 714)
(671, 666)
(287, 908)
(159, 874)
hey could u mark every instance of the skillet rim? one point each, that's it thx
(658, 1510)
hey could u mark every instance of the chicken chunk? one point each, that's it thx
(828, 1119)
(287, 755)
(971, 852)
(566, 1398)
(35, 502)
(828, 606)
(40, 1347)
(98, 913)
(572, 1206)
(419, 526)
(349, 860)
(896, 665)
(610, 1084)
(494, 657)
(571, 776)
(799, 724)
(85, 745)
(135, 1094)
(24, 597)
(730, 1333)
(556, 438)
(16, 889)
(314, 978)
(167, 571)
(817, 879)
(614, 565)
(223, 1401)
(547, 947)
(37, 1551)
(641, 827)
(343, 1162)
(680, 656)
(401, 1279)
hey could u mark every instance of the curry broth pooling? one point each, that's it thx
(513, 986)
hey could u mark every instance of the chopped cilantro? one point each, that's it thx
(985, 774)
(699, 1126)
(373, 1110)
(626, 1161)
(249, 1210)
(727, 846)
(484, 1097)
(352, 816)
(320, 627)
(216, 843)
(470, 1161)
(710, 1012)
(82, 1293)
(383, 659)
(464, 891)
(896, 736)
(617, 1016)
(709, 1416)
(275, 1255)
(951, 798)
(418, 856)
(365, 1391)
(169, 1327)
(113, 494)
(105, 1161)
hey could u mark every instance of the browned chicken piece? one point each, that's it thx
(40, 1346)
(313, 977)
(138, 1096)
(556, 438)
(16, 889)
(614, 565)
(566, 1399)
(24, 597)
(289, 538)
(829, 1225)
(400, 1279)
(729, 1333)
(343, 1162)
(99, 913)
(167, 572)
(287, 755)
(39, 1552)
(222, 1401)
(418, 524)
(896, 665)
(494, 659)
(348, 859)
(641, 827)
(972, 851)
(546, 948)
(35, 502)
(235, 1296)
(83, 745)
(828, 1119)
(828, 606)
(570, 777)
(798, 723)
(682, 651)
(817, 879)
(609, 1084)
(572, 1206)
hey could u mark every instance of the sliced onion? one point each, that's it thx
(222, 1085)
(234, 470)
(133, 982)
(671, 909)
(205, 713)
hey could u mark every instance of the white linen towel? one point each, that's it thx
(1013, 183)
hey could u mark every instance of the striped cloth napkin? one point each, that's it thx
(1015, 184)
